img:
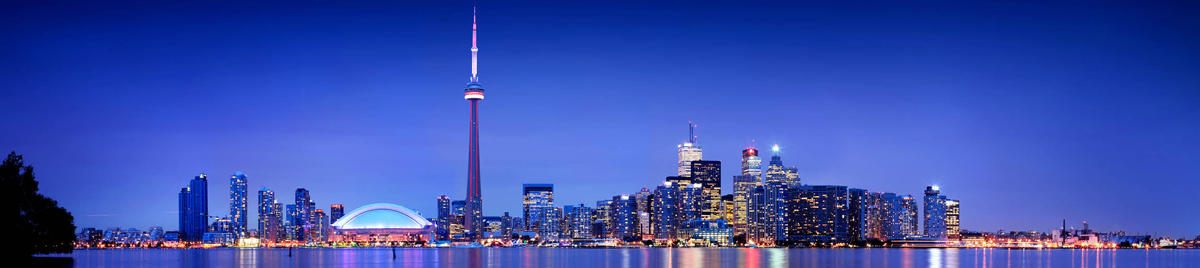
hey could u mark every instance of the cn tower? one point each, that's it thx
(474, 92)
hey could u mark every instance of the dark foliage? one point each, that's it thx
(38, 224)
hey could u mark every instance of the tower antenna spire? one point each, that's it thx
(474, 50)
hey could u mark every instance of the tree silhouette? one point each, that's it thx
(38, 225)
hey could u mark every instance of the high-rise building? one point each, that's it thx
(707, 174)
(303, 220)
(336, 211)
(818, 213)
(857, 215)
(689, 151)
(473, 222)
(291, 228)
(742, 185)
(775, 173)
(728, 210)
(579, 221)
(602, 222)
(266, 215)
(624, 218)
(751, 163)
(457, 220)
(276, 222)
(238, 203)
(537, 199)
(935, 213)
(773, 212)
(551, 224)
(320, 224)
(506, 227)
(193, 209)
(692, 202)
(645, 199)
(443, 218)
(877, 218)
(902, 214)
(666, 211)
(952, 230)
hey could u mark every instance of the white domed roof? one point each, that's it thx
(381, 216)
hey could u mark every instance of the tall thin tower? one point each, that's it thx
(474, 92)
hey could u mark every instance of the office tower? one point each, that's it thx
(878, 225)
(275, 221)
(457, 219)
(775, 173)
(857, 215)
(666, 211)
(952, 230)
(290, 226)
(751, 163)
(903, 215)
(320, 228)
(506, 227)
(727, 209)
(336, 211)
(602, 224)
(579, 218)
(474, 92)
(742, 185)
(775, 211)
(692, 202)
(443, 218)
(624, 218)
(935, 213)
(193, 209)
(266, 213)
(537, 199)
(644, 209)
(818, 213)
(708, 175)
(756, 231)
(689, 151)
(303, 220)
(551, 222)
(238, 204)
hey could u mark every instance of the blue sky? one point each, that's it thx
(1029, 113)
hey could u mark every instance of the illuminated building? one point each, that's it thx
(267, 218)
(538, 198)
(727, 209)
(689, 151)
(289, 224)
(602, 222)
(878, 224)
(707, 174)
(666, 211)
(457, 210)
(303, 221)
(952, 230)
(742, 185)
(751, 163)
(193, 209)
(903, 215)
(320, 230)
(238, 204)
(578, 221)
(506, 227)
(277, 229)
(443, 218)
(692, 202)
(624, 218)
(336, 211)
(818, 213)
(382, 223)
(644, 204)
(776, 172)
(935, 213)
(222, 225)
(493, 224)
(856, 216)
(473, 223)
(550, 228)
(714, 232)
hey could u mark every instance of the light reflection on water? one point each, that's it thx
(637, 257)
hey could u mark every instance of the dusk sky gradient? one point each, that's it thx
(1027, 112)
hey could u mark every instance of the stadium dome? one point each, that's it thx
(382, 216)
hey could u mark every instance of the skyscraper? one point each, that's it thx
(935, 213)
(857, 215)
(336, 211)
(666, 211)
(474, 92)
(707, 174)
(624, 218)
(751, 163)
(443, 218)
(691, 202)
(742, 186)
(776, 172)
(952, 230)
(538, 198)
(689, 151)
(818, 213)
(266, 213)
(276, 222)
(303, 220)
(238, 203)
(193, 209)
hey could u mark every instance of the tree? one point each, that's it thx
(39, 225)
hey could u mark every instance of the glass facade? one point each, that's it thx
(238, 204)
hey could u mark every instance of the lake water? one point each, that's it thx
(635, 257)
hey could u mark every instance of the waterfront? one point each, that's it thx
(634, 257)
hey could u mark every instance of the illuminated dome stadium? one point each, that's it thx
(382, 223)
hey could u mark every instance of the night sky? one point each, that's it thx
(1029, 113)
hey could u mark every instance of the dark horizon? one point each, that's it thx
(1029, 113)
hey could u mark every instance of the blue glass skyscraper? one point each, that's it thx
(193, 209)
(238, 203)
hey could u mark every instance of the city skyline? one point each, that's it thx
(336, 132)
